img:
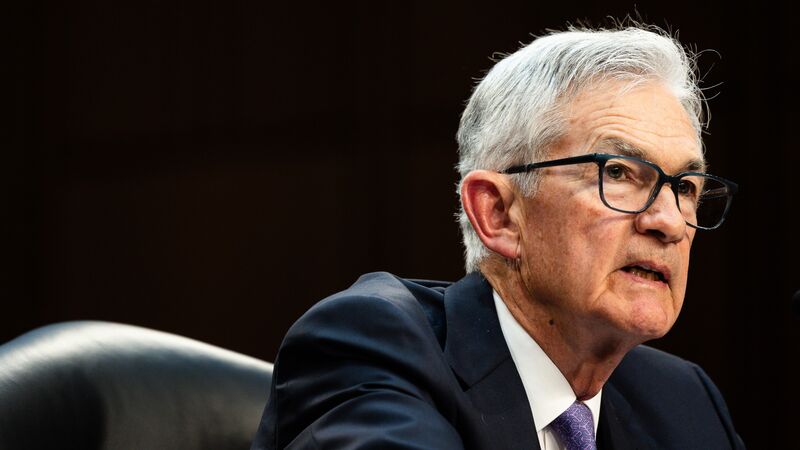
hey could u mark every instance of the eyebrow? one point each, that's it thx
(627, 149)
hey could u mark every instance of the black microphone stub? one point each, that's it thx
(796, 303)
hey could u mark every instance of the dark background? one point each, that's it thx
(212, 169)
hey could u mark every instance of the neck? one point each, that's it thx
(585, 353)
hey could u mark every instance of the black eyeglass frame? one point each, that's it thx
(602, 158)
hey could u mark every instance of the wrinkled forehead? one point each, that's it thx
(622, 147)
(620, 84)
(645, 120)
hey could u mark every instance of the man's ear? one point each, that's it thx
(487, 198)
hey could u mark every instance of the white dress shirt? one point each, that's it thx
(549, 393)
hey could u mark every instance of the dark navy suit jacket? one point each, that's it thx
(397, 364)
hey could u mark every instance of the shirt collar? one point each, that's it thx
(540, 377)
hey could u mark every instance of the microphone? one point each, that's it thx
(796, 303)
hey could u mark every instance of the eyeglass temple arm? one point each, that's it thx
(592, 157)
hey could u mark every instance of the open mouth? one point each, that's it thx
(647, 274)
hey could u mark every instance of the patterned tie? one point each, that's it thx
(575, 427)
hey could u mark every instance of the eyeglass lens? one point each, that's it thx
(627, 185)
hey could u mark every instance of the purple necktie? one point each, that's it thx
(575, 427)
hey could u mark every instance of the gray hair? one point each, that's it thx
(514, 113)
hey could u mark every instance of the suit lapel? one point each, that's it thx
(617, 429)
(478, 354)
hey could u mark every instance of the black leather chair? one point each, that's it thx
(100, 385)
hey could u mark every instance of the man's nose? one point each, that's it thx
(663, 218)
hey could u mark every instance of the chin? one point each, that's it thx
(650, 334)
(652, 325)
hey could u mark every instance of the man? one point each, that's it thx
(583, 186)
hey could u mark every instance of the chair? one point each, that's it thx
(100, 385)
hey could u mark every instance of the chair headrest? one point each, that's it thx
(101, 385)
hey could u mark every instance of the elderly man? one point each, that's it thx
(583, 185)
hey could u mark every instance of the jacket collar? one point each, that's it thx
(618, 428)
(477, 352)
(475, 345)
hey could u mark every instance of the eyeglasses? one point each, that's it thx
(630, 185)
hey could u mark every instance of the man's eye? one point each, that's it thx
(615, 171)
(687, 188)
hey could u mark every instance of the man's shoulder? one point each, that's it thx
(390, 287)
(384, 287)
(650, 367)
(379, 299)
(654, 358)
(367, 352)
(670, 394)
(652, 378)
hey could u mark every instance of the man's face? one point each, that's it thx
(587, 264)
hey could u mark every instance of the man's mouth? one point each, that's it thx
(646, 273)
